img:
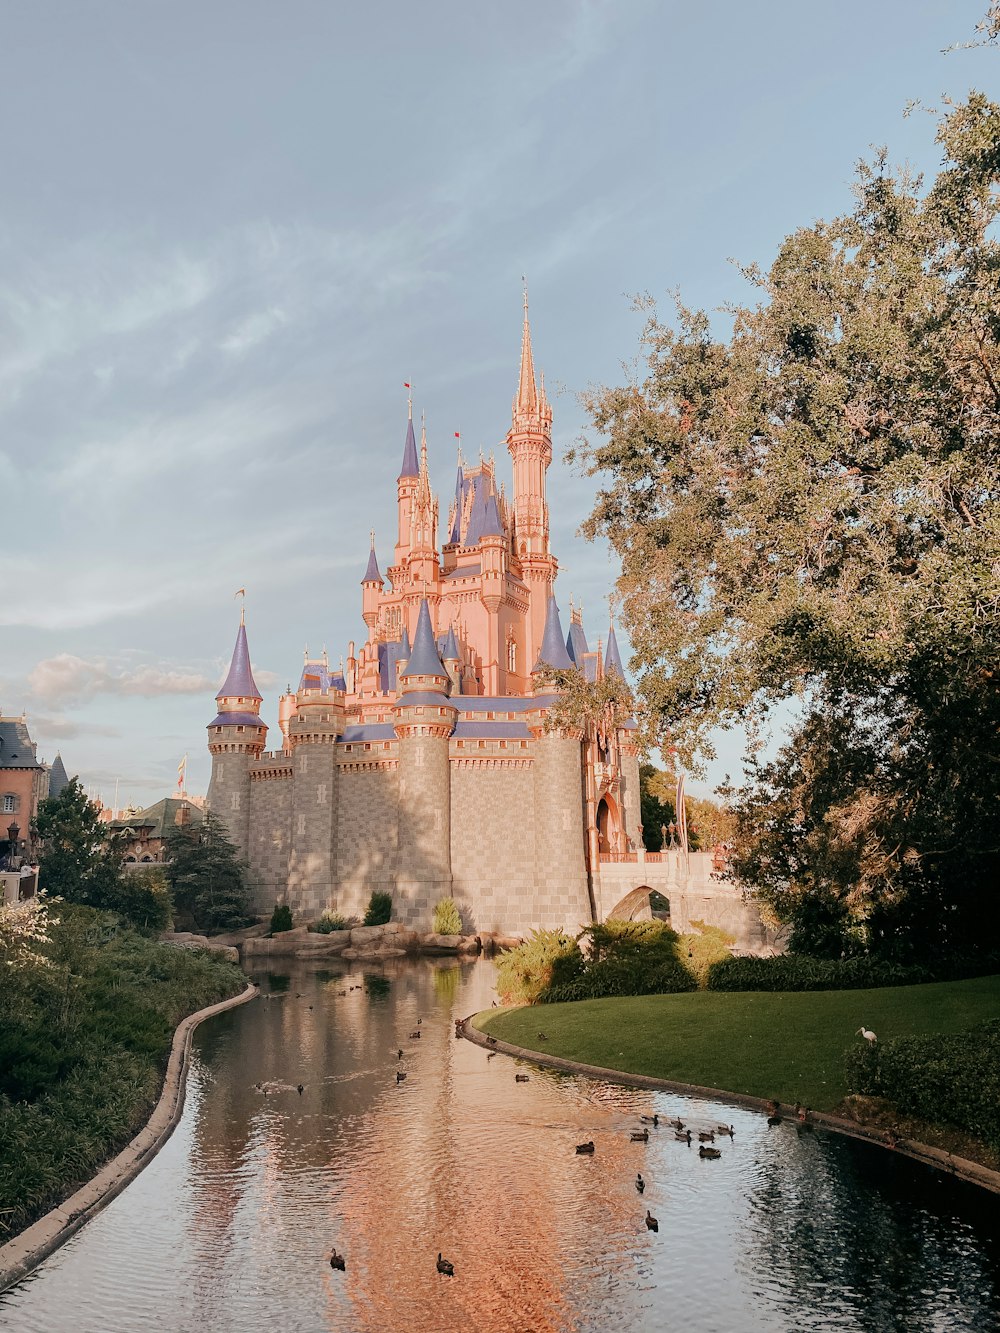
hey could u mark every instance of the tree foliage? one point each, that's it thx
(809, 509)
(81, 857)
(207, 877)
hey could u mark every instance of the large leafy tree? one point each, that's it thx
(81, 858)
(809, 509)
(207, 877)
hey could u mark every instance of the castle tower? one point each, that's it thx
(371, 586)
(406, 492)
(562, 892)
(236, 738)
(312, 737)
(424, 720)
(529, 442)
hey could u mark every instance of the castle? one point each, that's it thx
(424, 766)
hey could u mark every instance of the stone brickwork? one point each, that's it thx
(493, 840)
(561, 894)
(311, 879)
(631, 807)
(368, 800)
(229, 796)
(423, 873)
(270, 832)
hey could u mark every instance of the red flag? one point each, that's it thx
(405, 385)
(458, 435)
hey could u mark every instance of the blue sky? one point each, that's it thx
(232, 230)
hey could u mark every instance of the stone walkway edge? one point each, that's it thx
(921, 1152)
(26, 1251)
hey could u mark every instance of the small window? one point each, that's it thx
(9, 804)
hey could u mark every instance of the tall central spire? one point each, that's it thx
(527, 393)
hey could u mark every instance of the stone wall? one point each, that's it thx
(229, 796)
(561, 895)
(492, 840)
(270, 834)
(423, 872)
(315, 792)
(368, 800)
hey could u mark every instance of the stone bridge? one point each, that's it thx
(694, 887)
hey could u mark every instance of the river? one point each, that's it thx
(230, 1227)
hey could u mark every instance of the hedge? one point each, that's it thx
(800, 972)
(944, 1079)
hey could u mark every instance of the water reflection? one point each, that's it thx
(233, 1223)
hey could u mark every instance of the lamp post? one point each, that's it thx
(13, 833)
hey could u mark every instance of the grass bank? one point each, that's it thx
(765, 1044)
(84, 1044)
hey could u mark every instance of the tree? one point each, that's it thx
(81, 858)
(809, 509)
(656, 805)
(206, 876)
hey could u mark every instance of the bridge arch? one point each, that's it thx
(635, 906)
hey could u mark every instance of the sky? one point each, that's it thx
(231, 231)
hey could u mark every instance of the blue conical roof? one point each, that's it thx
(477, 514)
(553, 651)
(410, 468)
(576, 643)
(239, 684)
(424, 659)
(404, 643)
(456, 528)
(491, 527)
(612, 657)
(58, 777)
(371, 573)
(451, 645)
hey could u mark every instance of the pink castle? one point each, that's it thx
(424, 766)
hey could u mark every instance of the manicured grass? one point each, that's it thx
(785, 1045)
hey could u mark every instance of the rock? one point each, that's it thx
(441, 943)
(470, 944)
(200, 942)
(373, 951)
(365, 934)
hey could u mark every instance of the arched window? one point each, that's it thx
(512, 656)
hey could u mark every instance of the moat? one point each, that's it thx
(231, 1225)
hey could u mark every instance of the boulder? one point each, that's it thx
(376, 950)
(365, 934)
(470, 944)
(185, 940)
(441, 943)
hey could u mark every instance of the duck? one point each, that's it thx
(803, 1113)
(773, 1120)
(677, 1124)
(653, 1120)
(542, 1036)
(419, 1021)
(585, 1147)
(520, 1078)
(640, 1184)
(337, 1261)
(400, 1076)
(341, 994)
(399, 1054)
(773, 1106)
(724, 1129)
(683, 1138)
(706, 1136)
(301, 1089)
(711, 1153)
(445, 1266)
(415, 1036)
(651, 1223)
(490, 1055)
(492, 1041)
(640, 1136)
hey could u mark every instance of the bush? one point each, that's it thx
(143, 898)
(546, 958)
(379, 909)
(626, 958)
(700, 950)
(281, 918)
(447, 918)
(951, 1079)
(797, 972)
(328, 922)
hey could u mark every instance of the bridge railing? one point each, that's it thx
(629, 858)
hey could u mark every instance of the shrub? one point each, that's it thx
(800, 972)
(379, 909)
(546, 958)
(328, 922)
(447, 918)
(701, 949)
(953, 1079)
(281, 918)
(143, 898)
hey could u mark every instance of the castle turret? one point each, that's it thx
(406, 490)
(424, 720)
(312, 737)
(371, 591)
(562, 893)
(529, 442)
(236, 737)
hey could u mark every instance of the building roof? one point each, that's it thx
(456, 528)
(576, 642)
(239, 684)
(450, 650)
(491, 525)
(612, 657)
(424, 659)
(371, 573)
(553, 650)
(236, 720)
(17, 749)
(58, 777)
(410, 468)
(161, 817)
(370, 731)
(492, 731)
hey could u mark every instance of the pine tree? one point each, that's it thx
(81, 858)
(207, 877)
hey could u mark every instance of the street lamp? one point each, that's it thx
(13, 832)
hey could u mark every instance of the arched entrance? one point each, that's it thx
(635, 906)
(608, 825)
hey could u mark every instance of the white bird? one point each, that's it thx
(868, 1035)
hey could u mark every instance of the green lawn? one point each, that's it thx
(786, 1045)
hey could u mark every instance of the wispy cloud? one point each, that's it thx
(68, 679)
(61, 728)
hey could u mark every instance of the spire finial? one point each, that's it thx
(524, 286)
(371, 534)
(241, 592)
(527, 394)
(409, 399)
